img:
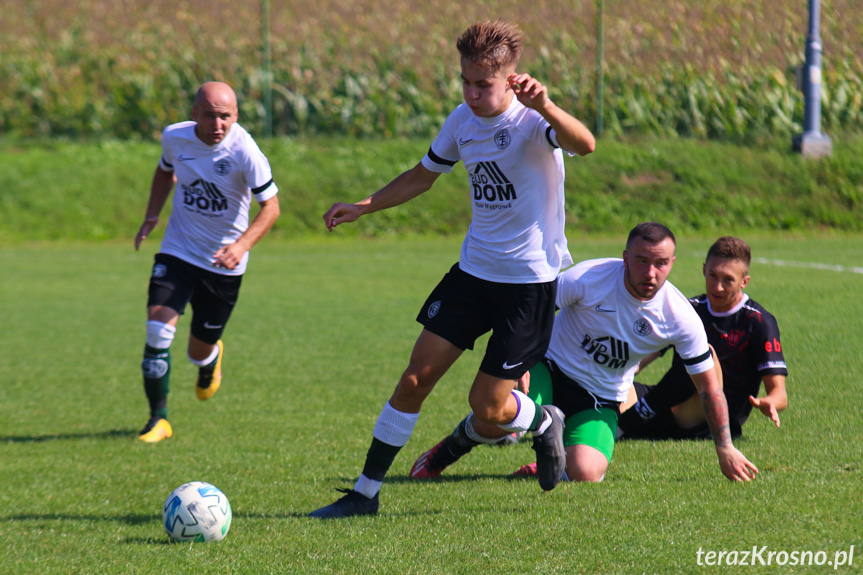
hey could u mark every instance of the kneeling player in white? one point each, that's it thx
(613, 312)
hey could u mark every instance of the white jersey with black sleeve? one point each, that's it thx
(602, 331)
(515, 171)
(215, 186)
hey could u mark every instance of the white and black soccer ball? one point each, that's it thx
(197, 511)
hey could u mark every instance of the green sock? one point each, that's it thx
(156, 368)
(536, 424)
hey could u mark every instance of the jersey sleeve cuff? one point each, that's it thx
(164, 165)
(434, 163)
(700, 364)
(269, 190)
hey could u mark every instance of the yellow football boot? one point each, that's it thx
(205, 390)
(156, 430)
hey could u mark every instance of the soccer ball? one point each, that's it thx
(197, 511)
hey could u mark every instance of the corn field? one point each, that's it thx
(717, 69)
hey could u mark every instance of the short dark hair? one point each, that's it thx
(492, 45)
(730, 248)
(651, 232)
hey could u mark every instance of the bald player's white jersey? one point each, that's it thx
(515, 170)
(601, 331)
(214, 190)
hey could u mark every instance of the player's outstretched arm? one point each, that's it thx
(572, 135)
(733, 464)
(775, 400)
(403, 188)
(160, 189)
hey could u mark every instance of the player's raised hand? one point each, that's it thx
(145, 230)
(734, 464)
(766, 407)
(529, 91)
(341, 213)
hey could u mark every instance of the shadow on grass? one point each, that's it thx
(129, 519)
(111, 434)
(456, 478)
(453, 478)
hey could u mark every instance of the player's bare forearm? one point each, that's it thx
(230, 256)
(160, 189)
(774, 385)
(403, 188)
(774, 401)
(714, 404)
(572, 135)
(261, 224)
(716, 412)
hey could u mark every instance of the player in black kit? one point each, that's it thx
(746, 339)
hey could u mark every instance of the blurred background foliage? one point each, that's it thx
(713, 69)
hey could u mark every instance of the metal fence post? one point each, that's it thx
(600, 44)
(267, 68)
(812, 142)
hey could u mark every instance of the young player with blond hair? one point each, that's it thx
(510, 136)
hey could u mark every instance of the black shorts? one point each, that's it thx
(662, 425)
(175, 283)
(520, 316)
(571, 397)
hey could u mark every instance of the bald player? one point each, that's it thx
(217, 168)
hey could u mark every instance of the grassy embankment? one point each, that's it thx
(95, 192)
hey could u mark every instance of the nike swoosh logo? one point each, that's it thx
(508, 366)
(207, 325)
(462, 142)
(183, 158)
(602, 309)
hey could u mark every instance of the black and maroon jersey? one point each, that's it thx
(746, 339)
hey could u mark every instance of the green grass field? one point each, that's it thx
(322, 331)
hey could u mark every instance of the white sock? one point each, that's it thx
(525, 414)
(472, 433)
(159, 334)
(208, 360)
(395, 427)
(366, 486)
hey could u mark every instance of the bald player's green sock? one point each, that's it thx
(156, 368)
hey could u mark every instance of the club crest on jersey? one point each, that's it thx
(502, 139)
(222, 167)
(433, 309)
(159, 270)
(642, 327)
(733, 337)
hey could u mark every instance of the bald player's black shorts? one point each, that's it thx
(175, 283)
(520, 316)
